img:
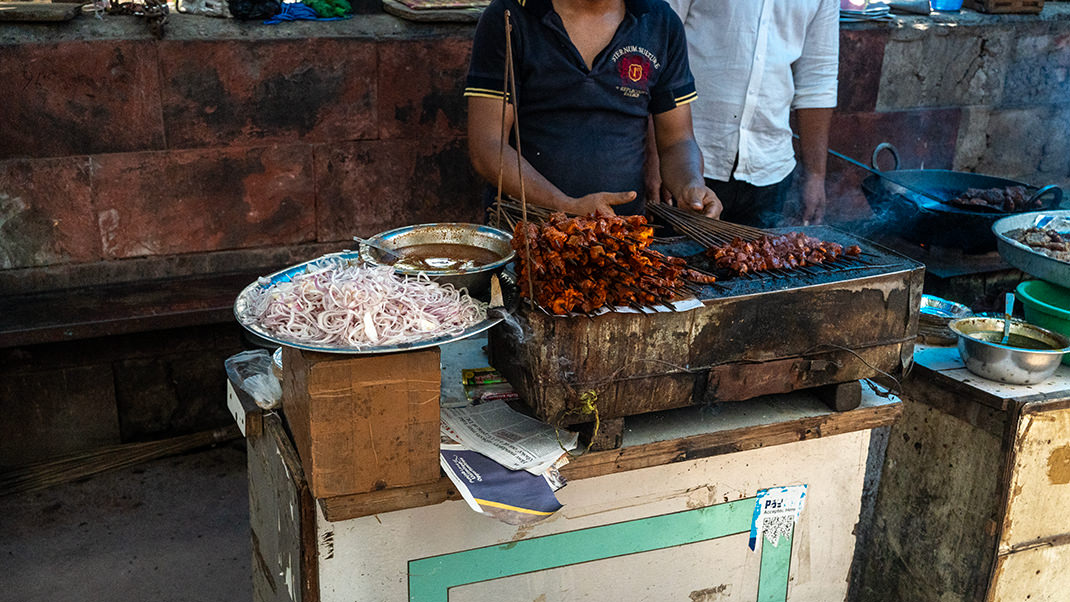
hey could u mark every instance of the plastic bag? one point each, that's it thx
(253, 373)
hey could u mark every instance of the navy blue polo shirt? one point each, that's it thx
(585, 130)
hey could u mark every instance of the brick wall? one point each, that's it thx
(220, 145)
(979, 93)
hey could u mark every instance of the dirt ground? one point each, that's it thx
(174, 529)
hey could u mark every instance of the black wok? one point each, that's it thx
(908, 200)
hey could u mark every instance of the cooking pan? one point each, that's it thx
(913, 202)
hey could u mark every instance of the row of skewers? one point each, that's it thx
(584, 263)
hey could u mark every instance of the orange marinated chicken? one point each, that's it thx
(585, 263)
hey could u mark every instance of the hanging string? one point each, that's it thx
(505, 103)
(510, 70)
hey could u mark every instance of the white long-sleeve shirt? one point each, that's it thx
(754, 61)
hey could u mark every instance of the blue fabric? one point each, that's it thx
(296, 11)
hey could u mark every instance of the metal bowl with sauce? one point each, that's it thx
(1031, 355)
(464, 255)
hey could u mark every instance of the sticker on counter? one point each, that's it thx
(776, 511)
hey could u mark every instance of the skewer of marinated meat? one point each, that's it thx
(584, 263)
(779, 252)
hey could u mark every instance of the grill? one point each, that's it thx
(756, 334)
(872, 259)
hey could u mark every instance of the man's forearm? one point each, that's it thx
(537, 189)
(681, 166)
(814, 127)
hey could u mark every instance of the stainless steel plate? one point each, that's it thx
(1025, 258)
(242, 307)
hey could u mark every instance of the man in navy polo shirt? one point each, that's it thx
(589, 74)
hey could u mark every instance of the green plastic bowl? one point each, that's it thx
(1046, 305)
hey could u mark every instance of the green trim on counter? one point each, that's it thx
(430, 579)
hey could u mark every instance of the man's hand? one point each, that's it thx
(652, 181)
(600, 203)
(813, 200)
(681, 162)
(814, 125)
(701, 199)
(655, 189)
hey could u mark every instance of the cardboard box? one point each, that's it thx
(362, 423)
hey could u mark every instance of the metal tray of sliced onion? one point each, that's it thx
(337, 304)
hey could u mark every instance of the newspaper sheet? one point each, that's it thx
(515, 441)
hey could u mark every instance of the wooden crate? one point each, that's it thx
(1005, 6)
(366, 422)
(735, 347)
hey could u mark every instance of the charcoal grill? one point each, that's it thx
(757, 334)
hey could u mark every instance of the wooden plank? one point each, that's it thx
(344, 507)
(646, 455)
(1038, 505)
(936, 515)
(1034, 574)
(733, 348)
(726, 442)
(611, 355)
(282, 519)
(38, 11)
(738, 381)
(948, 371)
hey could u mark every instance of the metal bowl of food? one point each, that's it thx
(464, 255)
(1031, 354)
(1044, 260)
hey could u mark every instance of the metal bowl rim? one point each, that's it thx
(959, 310)
(383, 236)
(954, 326)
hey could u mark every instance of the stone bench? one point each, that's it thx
(118, 309)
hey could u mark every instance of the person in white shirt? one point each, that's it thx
(755, 61)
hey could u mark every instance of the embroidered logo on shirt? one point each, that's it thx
(635, 65)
